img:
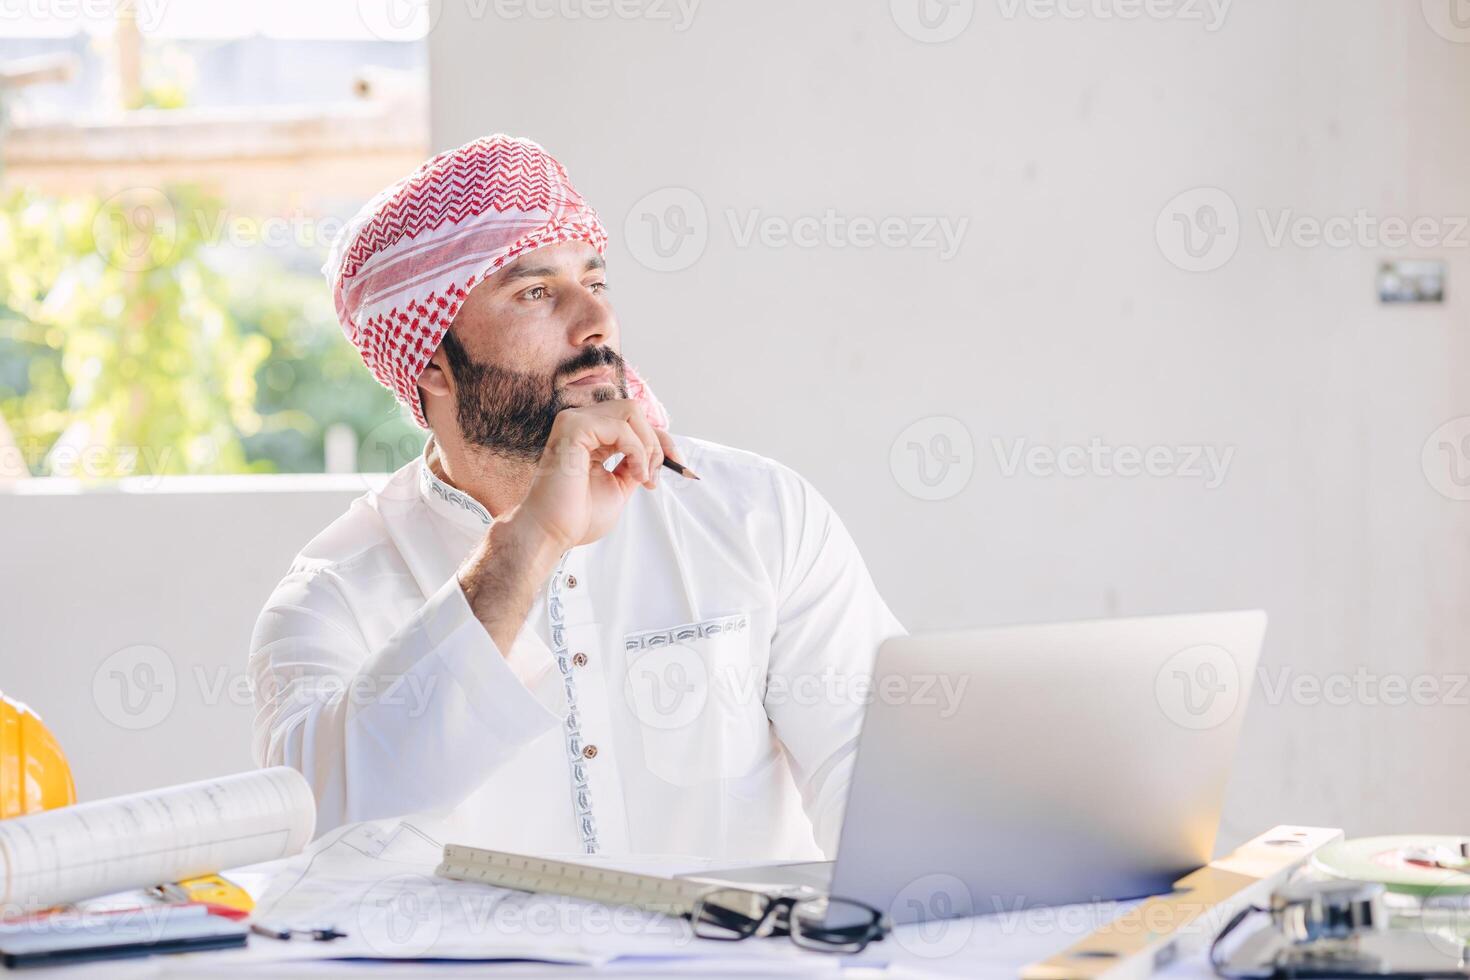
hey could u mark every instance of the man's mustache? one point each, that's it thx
(591, 357)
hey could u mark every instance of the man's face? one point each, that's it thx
(536, 337)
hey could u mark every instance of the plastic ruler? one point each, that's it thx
(671, 896)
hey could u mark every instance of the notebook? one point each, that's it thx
(69, 936)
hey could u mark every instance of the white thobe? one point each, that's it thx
(690, 684)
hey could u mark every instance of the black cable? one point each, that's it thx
(1230, 927)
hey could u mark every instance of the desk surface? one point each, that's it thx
(982, 947)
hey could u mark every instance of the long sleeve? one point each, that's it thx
(415, 725)
(830, 622)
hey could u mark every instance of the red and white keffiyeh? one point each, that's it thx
(402, 267)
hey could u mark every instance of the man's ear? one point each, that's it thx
(436, 379)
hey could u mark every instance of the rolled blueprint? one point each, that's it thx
(150, 838)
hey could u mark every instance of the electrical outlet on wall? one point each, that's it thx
(1411, 281)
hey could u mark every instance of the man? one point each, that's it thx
(545, 651)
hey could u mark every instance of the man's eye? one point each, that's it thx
(598, 287)
(536, 292)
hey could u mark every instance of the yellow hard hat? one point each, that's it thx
(34, 774)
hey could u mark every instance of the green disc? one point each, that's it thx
(1404, 863)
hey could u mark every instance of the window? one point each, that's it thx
(171, 177)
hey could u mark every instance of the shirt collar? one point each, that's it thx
(445, 500)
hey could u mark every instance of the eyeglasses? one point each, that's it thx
(828, 925)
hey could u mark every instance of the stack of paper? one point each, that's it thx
(376, 883)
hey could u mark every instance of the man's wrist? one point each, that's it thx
(536, 550)
(501, 578)
(515, 558)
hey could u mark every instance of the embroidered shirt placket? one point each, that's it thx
(556, 618)
(581, 792)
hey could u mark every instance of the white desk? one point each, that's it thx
(982, 947)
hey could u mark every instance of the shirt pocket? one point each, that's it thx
(696, 694)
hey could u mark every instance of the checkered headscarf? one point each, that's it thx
(404, 264)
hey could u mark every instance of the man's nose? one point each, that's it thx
(591, 322)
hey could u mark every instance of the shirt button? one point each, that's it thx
(580, 660)
(571, 581)
(590, 752)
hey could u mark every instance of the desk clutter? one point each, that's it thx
(398, 893)
(167, 844)
(141, 874)
(1297, 903)
(716, 911)
(1372, 907)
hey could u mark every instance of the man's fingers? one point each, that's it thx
(653, 450)
(626, 475)
(600, 436)
(620, 426)
(622, 408)
(631, 447)
(632, 413)
(670, 448)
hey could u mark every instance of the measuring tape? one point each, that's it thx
(670, 896)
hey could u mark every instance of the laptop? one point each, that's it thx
(1069, 762)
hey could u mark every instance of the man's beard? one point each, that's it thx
(511, 412)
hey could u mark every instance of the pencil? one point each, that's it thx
(681, 470)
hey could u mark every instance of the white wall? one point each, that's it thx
(127, 615)
(1060, 319)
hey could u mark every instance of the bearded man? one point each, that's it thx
(536, 633)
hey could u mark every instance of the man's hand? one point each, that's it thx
(573, 500)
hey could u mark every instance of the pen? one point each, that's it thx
(319, 933)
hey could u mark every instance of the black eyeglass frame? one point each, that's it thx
(775, 919)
